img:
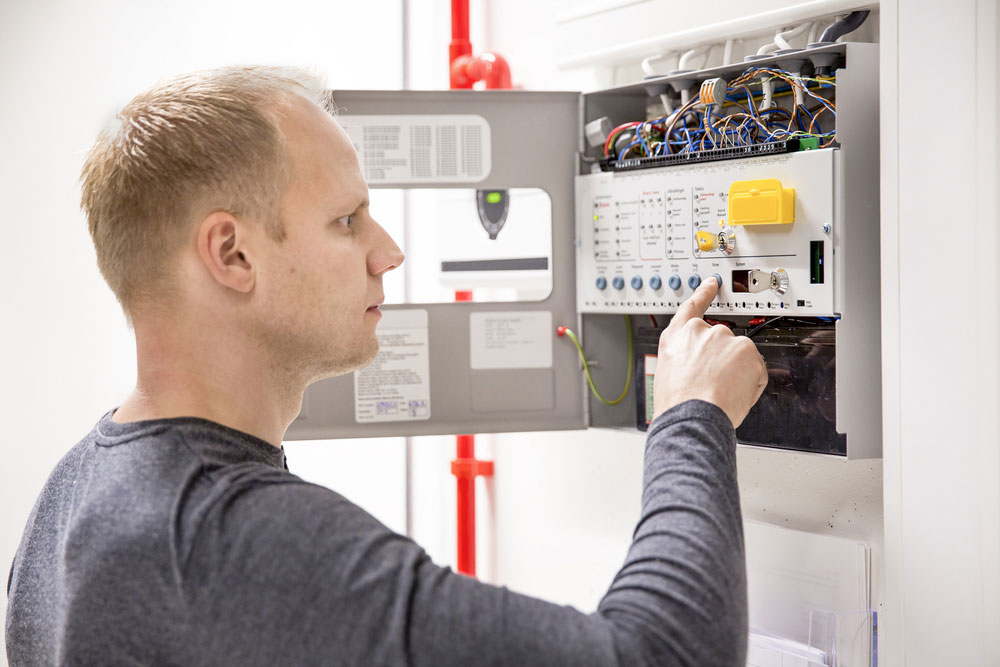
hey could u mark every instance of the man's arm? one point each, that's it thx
(287, 572)
(680, 598)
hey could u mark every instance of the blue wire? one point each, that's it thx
(621, 156)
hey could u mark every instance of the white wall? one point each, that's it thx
(65, 67)
(940, 216)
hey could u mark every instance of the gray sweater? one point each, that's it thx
(183, 542)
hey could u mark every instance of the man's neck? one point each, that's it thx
(224, 380)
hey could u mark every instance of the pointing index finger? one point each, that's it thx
(697, 303)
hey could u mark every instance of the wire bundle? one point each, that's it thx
(737, 122)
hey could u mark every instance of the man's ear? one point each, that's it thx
(224, 250)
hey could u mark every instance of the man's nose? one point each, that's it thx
(385, 255)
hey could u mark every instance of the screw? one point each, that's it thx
(826, 228)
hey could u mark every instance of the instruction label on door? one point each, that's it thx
(396, 385)
(453, 148)
(520, 339)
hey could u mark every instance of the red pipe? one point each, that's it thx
(460, 44)
(489, 67)
(464, 70)
(465, 451)
(466, 468)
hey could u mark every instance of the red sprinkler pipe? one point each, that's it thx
(489, 67)
(464, 70)
(460, 44)
(466, 468)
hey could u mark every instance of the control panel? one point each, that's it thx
(764, 225)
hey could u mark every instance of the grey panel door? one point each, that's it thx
(534, 139)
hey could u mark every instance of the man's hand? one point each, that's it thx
(697, 360)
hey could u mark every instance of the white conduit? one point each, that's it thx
(743, 26)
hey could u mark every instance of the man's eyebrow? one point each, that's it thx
(344, 210)
(362, 203)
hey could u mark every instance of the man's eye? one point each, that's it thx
(347, 220)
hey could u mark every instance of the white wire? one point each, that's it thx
(647, 63)
(693, 53)
(767, 49)
(781, 39)
(667, 109)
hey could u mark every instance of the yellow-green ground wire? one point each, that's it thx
(586, 367)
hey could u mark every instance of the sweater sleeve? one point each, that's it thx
(290, 573)
(680, 598)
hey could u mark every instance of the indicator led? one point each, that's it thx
(493, 198)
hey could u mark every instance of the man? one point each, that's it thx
(231, 220)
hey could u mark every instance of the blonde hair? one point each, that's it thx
(192, 144)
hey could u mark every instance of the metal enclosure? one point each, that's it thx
(855, 246)
(537, 141)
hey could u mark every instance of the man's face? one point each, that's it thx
(321, 286)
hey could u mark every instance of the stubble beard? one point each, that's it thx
(343, 358)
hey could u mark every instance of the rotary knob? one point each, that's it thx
(674, 281)
(601, 282)
(636, 282)
(618, 283)
(655, 283)
(694, 281)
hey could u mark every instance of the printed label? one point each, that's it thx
(396, 385)
(401, 149)
(649, 372)
(510, 340)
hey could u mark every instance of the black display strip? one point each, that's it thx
(517, 264)
(710, 155)
(816, 270)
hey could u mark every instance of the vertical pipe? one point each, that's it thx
(460, 44)
(465, 496)
(466, 503)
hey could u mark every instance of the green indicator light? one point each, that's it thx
(493, 198)
(597, 217)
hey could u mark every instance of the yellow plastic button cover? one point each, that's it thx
(707, 241)
(761, 202)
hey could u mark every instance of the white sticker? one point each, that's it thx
(396, 385)
(510, 340)
(451, 148)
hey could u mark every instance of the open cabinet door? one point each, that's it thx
(448, 368)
